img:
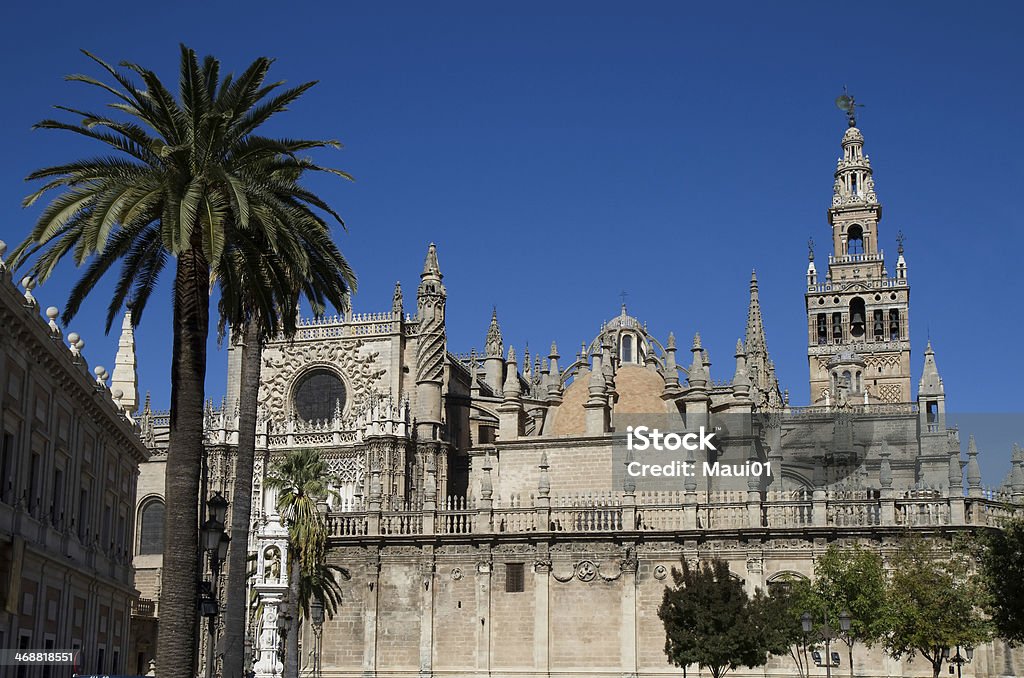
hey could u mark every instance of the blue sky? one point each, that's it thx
(559, 154)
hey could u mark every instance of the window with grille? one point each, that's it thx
(514, 578)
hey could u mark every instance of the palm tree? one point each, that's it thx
(302, 482)
(314, 274)
(190, 178)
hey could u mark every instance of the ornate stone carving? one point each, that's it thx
(586, 571)
(660, 572)
(456, 573)
(347, 468)
(282, 364)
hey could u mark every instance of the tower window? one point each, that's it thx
(894, 324)
(932, 411)
(837, 328)
(855, 240)
(514, 578)
(822, 329)
(853, 184)
(878, 326)
(626, 353)
(857, 317)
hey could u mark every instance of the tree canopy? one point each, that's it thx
(931, 603)
(711, 621)
(1002, 572)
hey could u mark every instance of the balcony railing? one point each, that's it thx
(683, 511)
(143, 607)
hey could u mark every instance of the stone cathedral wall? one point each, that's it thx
(586, 608)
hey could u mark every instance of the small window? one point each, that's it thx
(515, 580)
(855, 240)
(627, 348)
(151, 528)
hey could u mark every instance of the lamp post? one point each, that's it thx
(284, 622)
(316, 618)
(957, 658)
(215, 543)
(826, 633)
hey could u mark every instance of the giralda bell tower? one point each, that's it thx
(858, 334)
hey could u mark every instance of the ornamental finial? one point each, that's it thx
(848, 104)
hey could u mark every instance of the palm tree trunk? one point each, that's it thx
(291, 656)
(176, 642)
(241, 505)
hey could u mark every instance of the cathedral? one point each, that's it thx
(483, 504)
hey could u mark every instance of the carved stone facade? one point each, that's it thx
(482, 509)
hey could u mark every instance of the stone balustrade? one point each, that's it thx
(655, 512)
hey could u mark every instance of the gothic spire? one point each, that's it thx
(697, 375)
(494, 347)
(760, 369)
(430, 266)
(755, 339)
(125, 375)
(931, 382)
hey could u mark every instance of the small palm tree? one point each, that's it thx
(302, 482)
(190, 179)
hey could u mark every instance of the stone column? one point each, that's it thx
(541, 615)
(753, 496)
(596, 407)
(690, 497)
(819, 507)
(427, 614)
(268, 663)
(370, 618)
(483, 613)
(887, 509)
(543, 523)
(628, 633)
(484, 515)
(956, 488)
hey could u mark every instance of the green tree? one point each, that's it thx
(852, 579)
(782, 609)
(190, 178)
(930, 604)
(1002, 571)
(711, 621)
(302, 482)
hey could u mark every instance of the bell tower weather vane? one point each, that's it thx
(848, 104)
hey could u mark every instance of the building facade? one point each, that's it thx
(69, 463)
(483, 509)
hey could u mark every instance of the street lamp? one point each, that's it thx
(218, 506)
(316, 617)
(215, 542)
(826, 633)
(958, 658)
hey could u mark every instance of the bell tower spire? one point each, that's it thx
(858, 314)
